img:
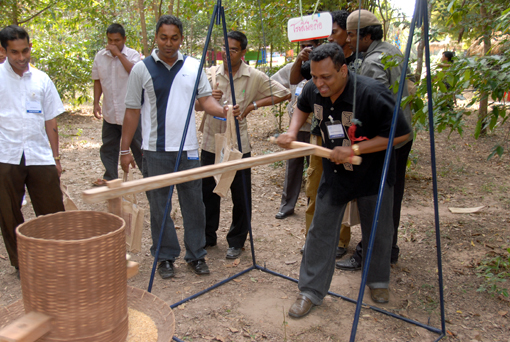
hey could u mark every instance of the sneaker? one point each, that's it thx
(233, 252)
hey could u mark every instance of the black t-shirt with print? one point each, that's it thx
(374, 111)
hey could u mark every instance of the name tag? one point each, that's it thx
(33, 107)
(298, 91)
(218, 118)
(193, 155)
(335, 130)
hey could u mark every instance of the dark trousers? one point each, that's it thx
(43, 186)
(401, 156)
(293, 178)
(318, 262)
(109, 151)
(241, 219)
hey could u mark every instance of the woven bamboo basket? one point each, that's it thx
(138, 299)
(73, 269)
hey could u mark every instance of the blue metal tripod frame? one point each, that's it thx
(420, 15)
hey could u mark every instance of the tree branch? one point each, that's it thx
(35, 15)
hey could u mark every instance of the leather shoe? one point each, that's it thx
(281, 216)
(380, 295)
(166, 269)
(301, 307)
(199, 266)
(340, 252)
(233, 252)
(348, 265)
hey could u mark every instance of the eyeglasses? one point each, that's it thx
(232, 50)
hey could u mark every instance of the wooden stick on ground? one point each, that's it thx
(139, 185)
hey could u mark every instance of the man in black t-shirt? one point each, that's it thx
(330, 97)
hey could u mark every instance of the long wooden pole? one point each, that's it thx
(298, 149)
(150, 183)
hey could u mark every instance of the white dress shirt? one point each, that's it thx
(27, 102)
(113, 77)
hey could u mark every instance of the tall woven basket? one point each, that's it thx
(73, 268)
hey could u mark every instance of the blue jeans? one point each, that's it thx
(190, 200)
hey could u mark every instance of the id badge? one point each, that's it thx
(335, 130)
(298, 91)
(33, 107)
(192, 155)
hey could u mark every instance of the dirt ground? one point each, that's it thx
(253, 307)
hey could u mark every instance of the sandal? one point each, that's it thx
(99, 182)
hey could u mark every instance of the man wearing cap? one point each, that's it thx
(331, 96)
(369, 35)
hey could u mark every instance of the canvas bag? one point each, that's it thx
(133, 215)
(226, 151)
(68, 201)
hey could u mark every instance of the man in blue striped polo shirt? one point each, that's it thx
(160, 90)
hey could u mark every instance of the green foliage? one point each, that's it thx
(478, 75)
(494, 271)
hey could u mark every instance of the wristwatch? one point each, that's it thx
(355, 149)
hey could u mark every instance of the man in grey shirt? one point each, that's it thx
(370, 34)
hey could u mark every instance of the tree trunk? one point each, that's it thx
(271, 58)
(421, 47)
(419, 59)
(178, 8)
(171, 7)
(15, 13)
(144, 29)
(484, 96)
(155, 8)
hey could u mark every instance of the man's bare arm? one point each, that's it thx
(341, 154)
(295, 71)
(129, 126)
(298, 119)
(52, 133)
(98, 91)
(267, 101)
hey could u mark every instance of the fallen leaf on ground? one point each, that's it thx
(219, 338)
(234, 330)
(2, 257)
(502, 313)
(236, 262)
(290, 262)
(451, 333)
(237, 280)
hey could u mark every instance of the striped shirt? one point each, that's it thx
(163, 93)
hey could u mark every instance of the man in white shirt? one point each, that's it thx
(28, 137)
(110, 73)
